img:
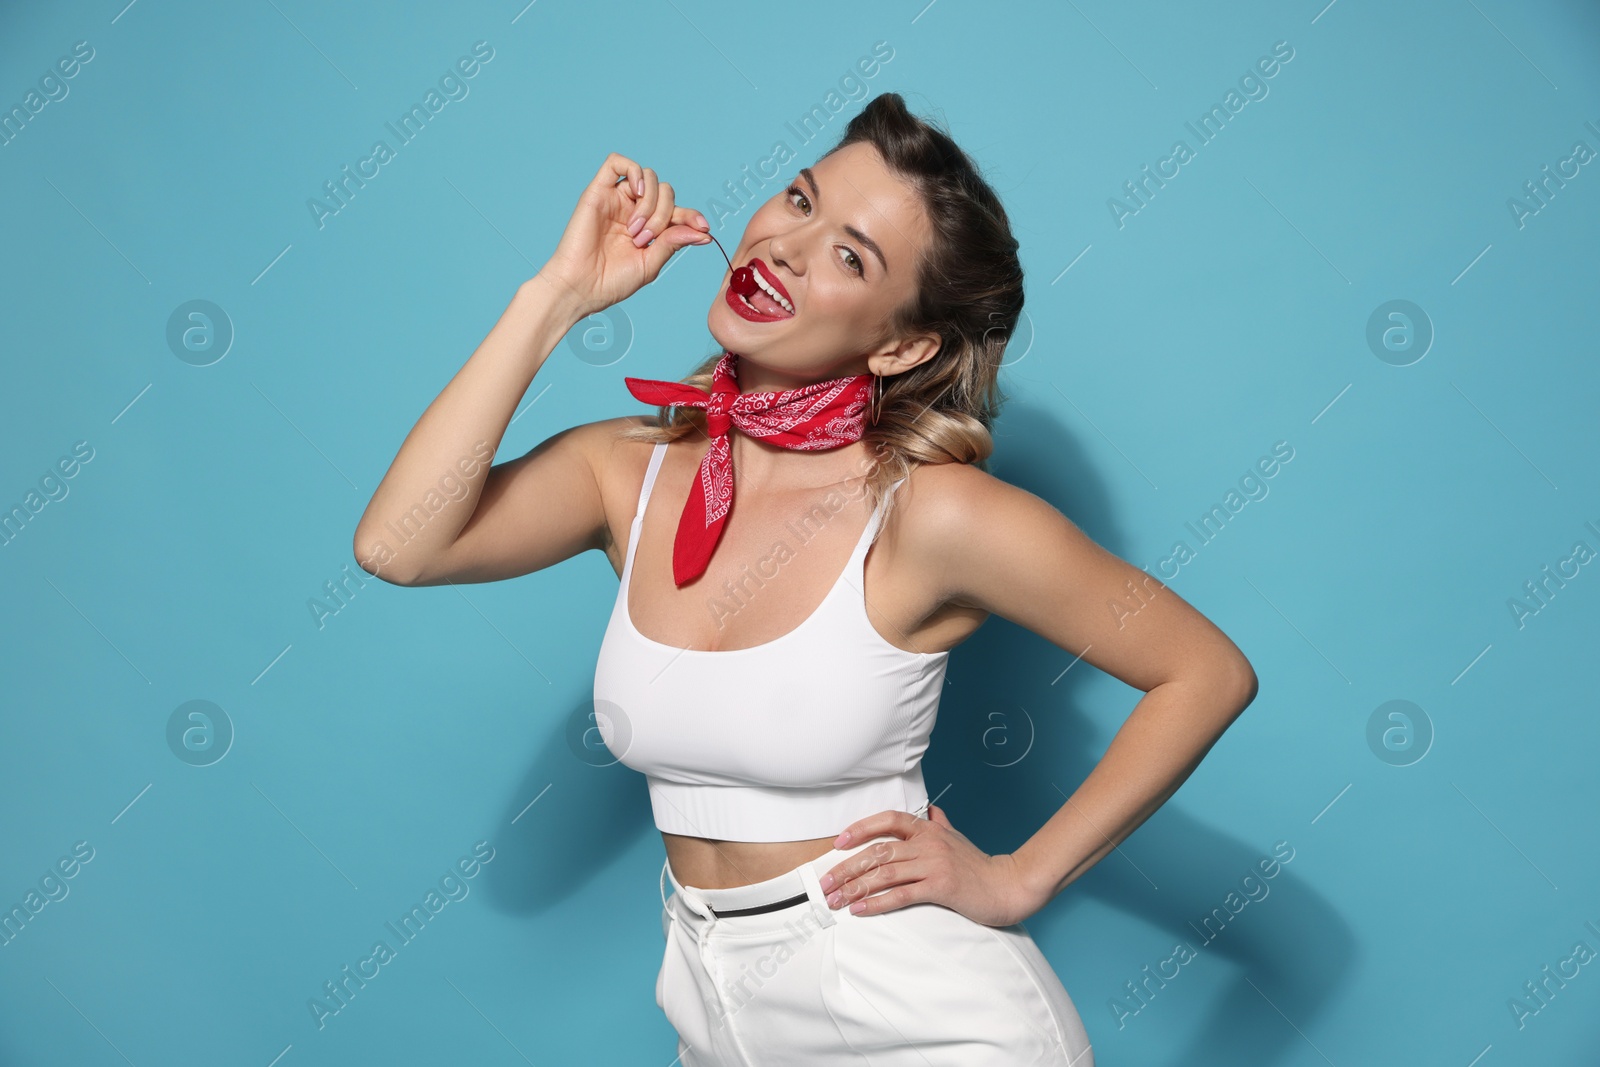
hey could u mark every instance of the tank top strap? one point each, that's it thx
(873, 522)
(657, 454)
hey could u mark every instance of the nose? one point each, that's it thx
(781, 251)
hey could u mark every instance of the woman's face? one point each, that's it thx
(843, 243)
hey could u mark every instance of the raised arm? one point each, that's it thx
(441, 484)
(442, 512)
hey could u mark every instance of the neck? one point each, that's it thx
(762, 466)
(754, 378)
(768, 468)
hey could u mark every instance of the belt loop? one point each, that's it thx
(686, 895)
(818, 899)
(669, 914)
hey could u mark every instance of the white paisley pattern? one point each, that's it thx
(813, 417)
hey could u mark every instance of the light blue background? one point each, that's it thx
(1228, 314)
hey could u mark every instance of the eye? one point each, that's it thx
(853, 261)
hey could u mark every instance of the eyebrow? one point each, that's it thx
(816, 194)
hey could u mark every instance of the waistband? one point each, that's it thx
(781, 891)
(747, 812)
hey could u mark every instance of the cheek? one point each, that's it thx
(765, 221)
(859, 312)
(848, 305)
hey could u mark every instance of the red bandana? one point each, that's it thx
(814, 417)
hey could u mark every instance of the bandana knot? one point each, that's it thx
(816, 417)
(718, 421)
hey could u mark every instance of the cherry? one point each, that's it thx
(743, 282)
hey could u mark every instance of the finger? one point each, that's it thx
(872, 881)
(890, 899)
(695, 219)
(662, 248)
(688, 219)
(661, 216)
(681, 235)
(899, 823)
(683, 216)
(862, 863)
(644, 209)
(618, 170)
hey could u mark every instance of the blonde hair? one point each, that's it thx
(969, 292)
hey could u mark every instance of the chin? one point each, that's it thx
(714, 326)
(736, 335)
(731, 332)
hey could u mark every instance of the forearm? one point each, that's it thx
(1160, 744)
(462, 428)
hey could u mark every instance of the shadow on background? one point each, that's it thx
(606, 810)
(1173, 870)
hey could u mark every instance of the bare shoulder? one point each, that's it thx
(958, 493)
(951, 504)
(606, 447)
(611, 457)
(993, 547)
(958, 519)
(618, 463)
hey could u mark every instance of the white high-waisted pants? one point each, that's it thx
(919, 986)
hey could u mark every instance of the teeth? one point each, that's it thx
(767, 288)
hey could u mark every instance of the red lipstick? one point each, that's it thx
(743, 287)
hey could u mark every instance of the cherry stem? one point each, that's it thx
(720, 249)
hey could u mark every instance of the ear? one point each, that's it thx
(905, 354)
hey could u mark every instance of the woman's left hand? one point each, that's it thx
(933, 862)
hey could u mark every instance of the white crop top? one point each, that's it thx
(761, 743)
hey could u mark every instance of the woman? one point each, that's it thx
(774, 668)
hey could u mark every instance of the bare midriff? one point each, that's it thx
(708, 864)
